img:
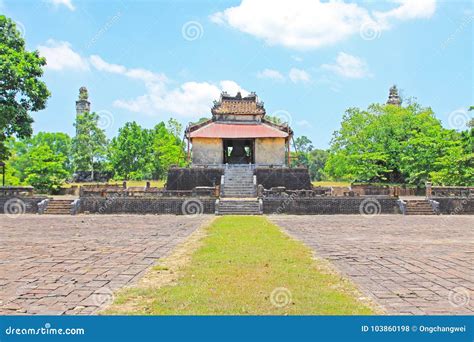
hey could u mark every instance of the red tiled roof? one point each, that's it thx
(222, 130)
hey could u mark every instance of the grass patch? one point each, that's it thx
(240, 262)
(153, 183)
(331, 183)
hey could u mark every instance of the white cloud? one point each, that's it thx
(304, 123)
(67, 3)
(348, 66)
(299, 75)
(308, 24)
(408, 9)
(271, 74)
(60, 56)
(191, 99)
(138, 74)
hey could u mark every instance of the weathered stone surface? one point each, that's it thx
(331, 205)
(408, 264)
(73, 264)
(296, 178)
(189, 178)
(131, 205)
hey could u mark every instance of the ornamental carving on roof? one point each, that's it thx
(238, 104)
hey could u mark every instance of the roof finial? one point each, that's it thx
(393, 97)
(83, 94)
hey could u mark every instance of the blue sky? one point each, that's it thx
(308, 60)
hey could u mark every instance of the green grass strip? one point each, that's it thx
(247, 265)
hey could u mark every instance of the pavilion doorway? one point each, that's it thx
(239, 151)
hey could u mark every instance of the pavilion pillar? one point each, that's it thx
(288, 149)
(2, 165)
(189, 152)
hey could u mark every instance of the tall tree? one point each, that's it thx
(21, 89)
(58, 143)
(89, 146)
(317, 161)
(45, 171)
(130, 153)
(389, 143)
(168, 148)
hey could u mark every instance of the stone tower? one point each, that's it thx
(82, 104)
(393, 97)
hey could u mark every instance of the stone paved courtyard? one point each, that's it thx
(72, 264)
(408, 264)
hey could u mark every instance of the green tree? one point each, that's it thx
(130, 153)
(168, 148)
(20, 150)
(46, 172)
(21, 90)
(317, 163)
(89, 146)
(274, 119)
(303, 144)
(389, 144)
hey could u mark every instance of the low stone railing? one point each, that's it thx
(279, 192)
(136, 192)
(450, 191)
(16, 191)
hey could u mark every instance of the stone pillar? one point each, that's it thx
(428, 190)
(82, 104)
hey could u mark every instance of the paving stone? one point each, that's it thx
(409, 264)
(51, 265)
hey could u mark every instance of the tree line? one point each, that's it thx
(384, 143)
(47, 160)
(393, 144)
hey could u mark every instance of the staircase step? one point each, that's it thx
(58, 207)
(419, 207)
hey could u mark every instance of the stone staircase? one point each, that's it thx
(238, 192)
(58, 207)
(238, 182)
(239, 206)
(419, 207)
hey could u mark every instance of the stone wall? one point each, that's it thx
(128, 205)
(270, 151)
(14, 205)
(291, 178)
(189, 178)
(455, 205)
(207, 151)
(449, 191)
(86, 176)
(331, 205)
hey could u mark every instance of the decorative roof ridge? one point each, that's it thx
(284, 127)
(194, 127)
(226, 99)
